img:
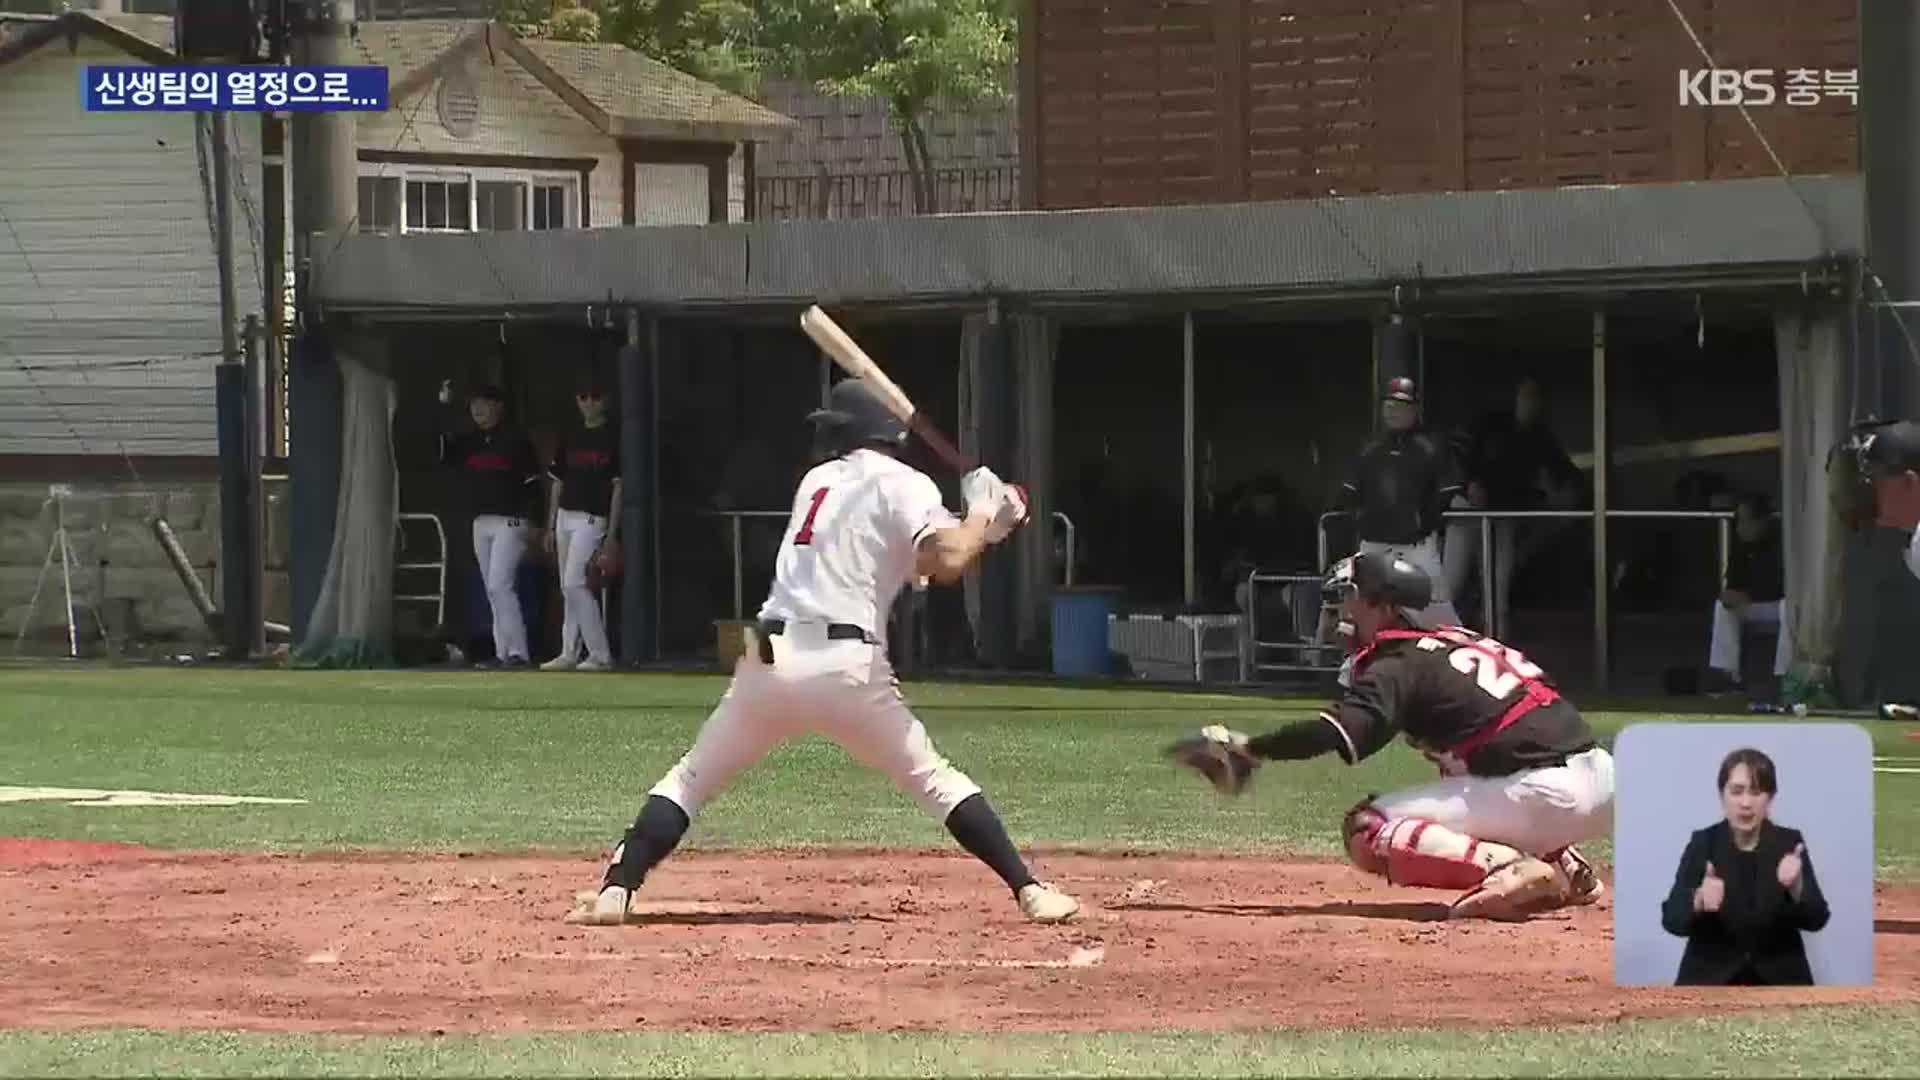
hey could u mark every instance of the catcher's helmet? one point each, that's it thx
(856, 416)
(1381, 578)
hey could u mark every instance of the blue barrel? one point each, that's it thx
(1080, 615)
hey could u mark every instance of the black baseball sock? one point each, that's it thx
(655, 833)
(978, 829)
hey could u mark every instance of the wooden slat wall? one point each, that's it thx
(1159, 102)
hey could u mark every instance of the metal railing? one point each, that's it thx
(826, 195)
(439, 598)
(1308, 654)
(736, 546)
(1066, 523)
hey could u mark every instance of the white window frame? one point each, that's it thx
(473, 177)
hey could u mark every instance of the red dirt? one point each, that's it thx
(800, 941)
(19, 851)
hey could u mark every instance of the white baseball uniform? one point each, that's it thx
(499, 543)
(579, 538)
(850, 546)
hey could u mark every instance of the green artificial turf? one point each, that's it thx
(477, 761)
(1807, 1042)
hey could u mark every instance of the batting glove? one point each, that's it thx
(1013, 512)
(982, 490)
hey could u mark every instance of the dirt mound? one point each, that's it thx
(825, 941)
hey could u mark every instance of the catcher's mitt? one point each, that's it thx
(1218, 754)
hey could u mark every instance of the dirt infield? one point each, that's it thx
(99, 935)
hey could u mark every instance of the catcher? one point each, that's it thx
(1522, 777)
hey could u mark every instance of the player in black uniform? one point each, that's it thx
(1522, 777)
(499, 486)
(584, 510)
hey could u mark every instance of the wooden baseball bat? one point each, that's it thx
(854, 361)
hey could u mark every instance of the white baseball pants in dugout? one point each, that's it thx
(579, 538)
(841, 689)
(499, 543)
(1538, 811)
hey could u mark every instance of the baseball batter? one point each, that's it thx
(864, 523)
(1522, 778)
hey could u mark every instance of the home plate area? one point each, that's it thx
(810, 941)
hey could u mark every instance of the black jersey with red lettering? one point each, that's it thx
(498, 474)
(1471, 704)
(586, 463)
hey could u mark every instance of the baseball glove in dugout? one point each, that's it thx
(605, 565)
(1218, 754)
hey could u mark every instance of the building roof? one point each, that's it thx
(650, 98)
(616, 89)
(1571, 239)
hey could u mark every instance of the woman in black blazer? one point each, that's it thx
(1745, 889)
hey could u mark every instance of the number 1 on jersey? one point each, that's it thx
(804, 534)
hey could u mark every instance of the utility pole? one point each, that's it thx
(240, 566)
(324, 162)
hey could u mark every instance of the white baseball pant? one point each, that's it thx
(1426, 556)
(579, 537)
(1723, 652)
(499, 543)
(1538, 812)
(844, 690)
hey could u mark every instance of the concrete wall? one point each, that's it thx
(137, 593)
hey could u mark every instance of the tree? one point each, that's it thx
(709, 39)
(562, 20)
(908, 53)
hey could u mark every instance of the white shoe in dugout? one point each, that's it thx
(590, 664)
(559, 663)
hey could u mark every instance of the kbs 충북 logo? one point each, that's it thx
(1765, 86)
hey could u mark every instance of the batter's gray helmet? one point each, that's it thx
(855, 415)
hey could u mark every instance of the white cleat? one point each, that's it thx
(1044, 903)
(591, 664)
(1583, 882)
(607, 908)
(560, 663)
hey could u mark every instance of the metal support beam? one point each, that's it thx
(638, 596)
(1190, 583)
(1602, 576)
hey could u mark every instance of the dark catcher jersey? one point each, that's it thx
(1469, 703)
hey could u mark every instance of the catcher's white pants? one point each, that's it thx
(1426, 556)
(499, 543)
(1538, 812)
(579, 537)
(1723, 652)
(844, 690)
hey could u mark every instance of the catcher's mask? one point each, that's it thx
(1377, 578)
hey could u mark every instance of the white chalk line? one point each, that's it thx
(104, 797)
(1079, 958)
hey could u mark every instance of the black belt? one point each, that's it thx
(835, 632)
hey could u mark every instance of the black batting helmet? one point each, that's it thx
(855, 416)
(1381, 578)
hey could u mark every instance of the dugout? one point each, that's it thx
(1187, 351)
